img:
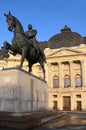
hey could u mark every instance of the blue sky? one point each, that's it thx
(47, 16)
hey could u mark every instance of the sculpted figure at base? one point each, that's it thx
(24, 44)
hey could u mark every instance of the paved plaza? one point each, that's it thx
(63, 128)
(68, 121)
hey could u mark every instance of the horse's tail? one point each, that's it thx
(43, 56)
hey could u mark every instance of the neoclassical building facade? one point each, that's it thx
(65, 70)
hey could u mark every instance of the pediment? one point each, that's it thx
(64, 52)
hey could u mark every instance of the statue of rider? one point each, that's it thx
(31, 34)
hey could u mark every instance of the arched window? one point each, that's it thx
(78, 81)
(66, 81)
(55, 81)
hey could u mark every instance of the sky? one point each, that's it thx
(48, 17)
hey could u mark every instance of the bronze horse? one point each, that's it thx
(21, 45)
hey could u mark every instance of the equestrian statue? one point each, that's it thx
(23, 43)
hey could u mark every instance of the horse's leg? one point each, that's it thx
(5, 49)
(8, 47)
(24, 53)
(42, 66)
(30, 66)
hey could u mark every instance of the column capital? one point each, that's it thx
(81, 61)
(59, 63)
(71, 61)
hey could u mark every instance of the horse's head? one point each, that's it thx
(10, 20)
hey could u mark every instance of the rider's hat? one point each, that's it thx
(30, 26)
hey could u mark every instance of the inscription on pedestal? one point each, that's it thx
(6, 92)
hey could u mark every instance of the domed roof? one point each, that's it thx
(65, 39)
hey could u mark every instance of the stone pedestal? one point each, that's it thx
(21, 92)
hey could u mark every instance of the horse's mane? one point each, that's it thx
(18, 23)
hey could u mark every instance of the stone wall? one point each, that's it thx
(22, 92)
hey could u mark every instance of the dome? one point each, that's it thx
(66, 38)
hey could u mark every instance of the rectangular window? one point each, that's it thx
(55, 105)
(78, 96)
(54, 96)
(78, 105)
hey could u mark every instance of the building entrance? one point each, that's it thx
(66, 103)
(78, 105)
(55, 105)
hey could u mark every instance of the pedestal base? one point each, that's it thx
(21, 94)
(21, 122)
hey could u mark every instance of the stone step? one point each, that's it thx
(22, 122)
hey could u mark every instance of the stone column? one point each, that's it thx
(83, 73)
(60, 74)
(48, 74)
(71, 74)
